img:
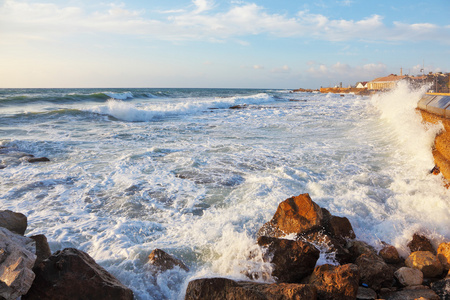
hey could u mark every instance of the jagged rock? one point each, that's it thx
(17, 259)
(358, 248)
(292, 260)
(294, 215)
(15, 222)
(411, 295)
(42, 248)
(163, 261)
(227, 289)
(336, 282)
(73, 274)
(366, 294)
(340, 227)
(409, 276)
(443, 254)
(374, 271)
(426, 262)
(334, 247)
(390, 254)
(420, 243)
(442, 288)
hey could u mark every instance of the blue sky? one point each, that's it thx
(207, 43)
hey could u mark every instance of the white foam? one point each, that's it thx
(120, 96)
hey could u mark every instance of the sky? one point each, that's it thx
(282, 44)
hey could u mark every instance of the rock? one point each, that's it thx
(292, 260)
(426, 262)
(227, 289)
(443, 254)
(15, 222)
(411, 295)
(37, 159)
(390, 254)
(333, 247)
(374, 271)
(163, 261)
(366, 294)
(420, 243)
(442, 288)
(358, 248)
(17, 260)
(336, 282)
(238, 106)
(42, 248)
(340, 227)
(294, 215)
(73, 274)
(409, 276)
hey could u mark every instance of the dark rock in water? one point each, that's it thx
(292, 260)
(238, 106)
(2, 167)
(227, 289)
(294, 215)
(37, 159)
(420, 243)
(442, 288)
(73, 274)
(374, 271)
(336, 282)
(340, 227)
(390, 254)
(42, 248)
(163, 261)
(15, 222)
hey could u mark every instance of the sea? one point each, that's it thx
(197, 172)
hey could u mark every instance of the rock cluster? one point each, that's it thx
(10, 156)
(359, 271)
(28, 270)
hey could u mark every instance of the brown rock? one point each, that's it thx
(340, 227)
(336, 282)
(358, 248)
(420, 243)
(411, 295)
(374, 271)
(294, 215)
(37, 159)
(442, 288)
(15, 222)
(163, 261)
(227, 289)
(333, 247)
(366, 294)
(409, 276)
(42, 248)
(390, 254)
(292, 260)
(73, 274)
(426, 262)
(443, 254)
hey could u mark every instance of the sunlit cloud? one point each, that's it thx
(339, 70)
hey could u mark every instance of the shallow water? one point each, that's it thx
(176, 169)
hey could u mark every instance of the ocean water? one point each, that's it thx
(132, 170)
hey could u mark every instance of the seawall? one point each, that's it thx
(435, 108)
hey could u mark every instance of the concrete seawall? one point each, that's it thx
(436, 108)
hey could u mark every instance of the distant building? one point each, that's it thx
(384, 83)
(362, 85)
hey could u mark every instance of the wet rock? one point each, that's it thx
(340, 227)
(420, 243)
(366, 294)
(162, 261)
(225, 289)
(42, 248)
(336, 282)
(17, 259)
(37, 159)
(426, 262)
(443, 254)
(294, 215)
(411, 295)
(374, 271)
(390, 254)
(15, 222)
(333, 247)
(238, 106)
(442, 288)
(358, 248)
(409, 276)
(292, 260)
(73, 274)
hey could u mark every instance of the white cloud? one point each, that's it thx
(283, 69)
(202, 5)
(340, 71)
(258, 67)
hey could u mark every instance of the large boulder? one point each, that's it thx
(340, 227)
(294, 215)
(336, 282)
(42, 248)
(374, 271)
(390, 254)
(443, 254)
(292, 260)
(409, 276)
(426, 262)
(227, 289)
(334, 248)
(15, 222)
(16, 262)
(420, 243)
(73, 274)
(162, 261)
